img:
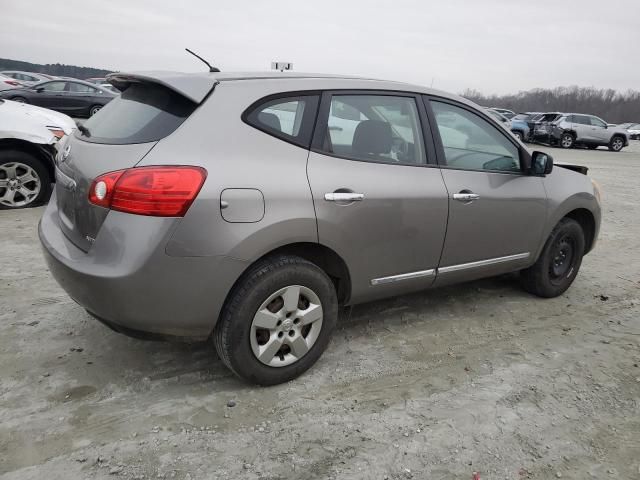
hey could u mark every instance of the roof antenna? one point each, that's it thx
(211, 69)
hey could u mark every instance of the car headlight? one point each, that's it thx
(597, 190)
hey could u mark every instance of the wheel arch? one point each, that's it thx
(43, 152)
(587, 221)
(322, 256)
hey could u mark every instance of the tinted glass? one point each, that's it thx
(289, 118)
(80, 88)
(472, 143)
(142, 113)
(581, 119)
(376, 128)
(53, 86)
(596, 122)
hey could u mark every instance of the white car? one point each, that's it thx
(29, 139)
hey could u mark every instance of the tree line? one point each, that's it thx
(56, 69)
(608, 104)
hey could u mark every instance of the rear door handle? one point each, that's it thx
(344, 197)
(466, 197)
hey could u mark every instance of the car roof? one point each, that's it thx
(196, 86)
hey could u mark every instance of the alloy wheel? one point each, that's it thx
(617, 144)
(567, 141)
(286, 326)
(94, 110)
(20, 184)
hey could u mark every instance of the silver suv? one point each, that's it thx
(248, 208)
(572, 129)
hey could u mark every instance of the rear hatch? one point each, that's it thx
(117, 137)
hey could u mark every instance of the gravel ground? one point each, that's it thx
(480, 377)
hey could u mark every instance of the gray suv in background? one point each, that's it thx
(572, 129)
(248, 208)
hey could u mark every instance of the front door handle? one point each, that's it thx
(466, 197)
(344, 197)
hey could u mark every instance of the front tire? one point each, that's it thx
(616, 144)
(277, 320)
(24, 180)
(558, 264)
(19, 99)
(567, 140)
(519, 135)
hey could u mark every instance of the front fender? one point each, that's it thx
(568, 191)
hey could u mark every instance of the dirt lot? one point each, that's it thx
(479, 377)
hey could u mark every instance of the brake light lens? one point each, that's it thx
(152, 191)
(13, 83)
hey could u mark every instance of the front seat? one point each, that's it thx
(372, 138)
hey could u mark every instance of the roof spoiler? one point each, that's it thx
(194, 87)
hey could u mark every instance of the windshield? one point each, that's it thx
(142, 113)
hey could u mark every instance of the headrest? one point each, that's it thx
(270, 120)
(372, 136)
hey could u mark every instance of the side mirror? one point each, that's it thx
(541, 163)
(40, 89)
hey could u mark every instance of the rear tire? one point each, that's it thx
(94, 109)
(616, 144)
(558, 264)
(277, 320)
(24, 180)
(19, 99)
(567, 140)
(519, 135)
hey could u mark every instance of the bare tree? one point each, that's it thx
(610, 105)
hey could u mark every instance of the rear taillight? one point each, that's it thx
(154, 191)
(13, 83)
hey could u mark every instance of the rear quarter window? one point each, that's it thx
(142, 113)
(289, 117)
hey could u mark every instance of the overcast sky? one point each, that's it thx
(495, 46)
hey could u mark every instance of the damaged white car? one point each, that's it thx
(29, 137)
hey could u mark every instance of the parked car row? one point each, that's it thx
(63, 94)
(73, 97)
(568, 130)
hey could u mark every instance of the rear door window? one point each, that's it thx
(375, 128)
(81, 88)
(142, 113)
(288, 118)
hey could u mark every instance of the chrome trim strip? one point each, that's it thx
(404, 276)
(484, 263)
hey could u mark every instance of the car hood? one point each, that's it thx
(31, 123)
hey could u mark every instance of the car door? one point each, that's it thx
(599, 130)
(48, 94)
(582, 127)
(496, 211)
(379, 197)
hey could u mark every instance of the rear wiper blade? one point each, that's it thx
(84, 130)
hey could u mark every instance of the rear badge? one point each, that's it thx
(90, 239)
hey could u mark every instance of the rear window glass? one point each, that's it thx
(142, 113)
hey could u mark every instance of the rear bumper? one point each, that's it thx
(129, 282)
